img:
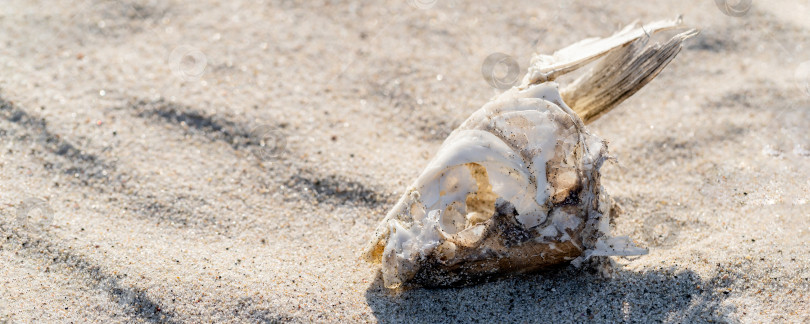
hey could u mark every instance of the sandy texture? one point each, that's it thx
(133, 122)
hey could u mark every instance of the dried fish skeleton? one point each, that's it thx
(516, 187)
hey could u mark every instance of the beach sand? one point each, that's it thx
(129, 145)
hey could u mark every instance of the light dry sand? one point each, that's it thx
(162, 211)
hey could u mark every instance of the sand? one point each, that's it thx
(137, 123)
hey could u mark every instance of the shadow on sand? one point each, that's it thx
(558, 296)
